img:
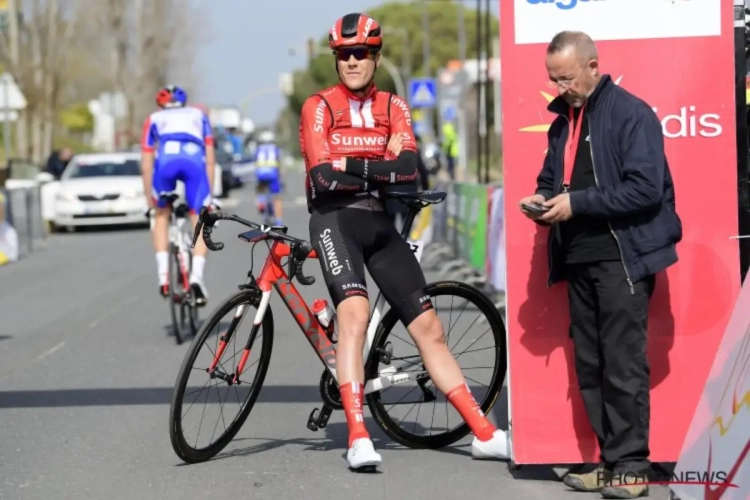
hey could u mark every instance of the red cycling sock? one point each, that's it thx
(351, 398)
(464, 402)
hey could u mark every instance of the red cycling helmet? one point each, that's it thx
(355, 29)
(171, 96)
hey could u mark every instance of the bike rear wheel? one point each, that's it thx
(178, 296)
(244, 304)
(424, 391)
(268, 213)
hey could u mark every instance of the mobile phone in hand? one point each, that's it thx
(534, 208)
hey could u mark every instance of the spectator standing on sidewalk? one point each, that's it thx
(450, 148)
(610, 200)
(58, 161)
(8, 237)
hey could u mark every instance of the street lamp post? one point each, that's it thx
(427, 56)
(406, 55)
(395, 75)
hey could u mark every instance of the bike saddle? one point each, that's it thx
(419, 198)
(169, 197)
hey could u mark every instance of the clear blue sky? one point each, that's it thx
(250, 42)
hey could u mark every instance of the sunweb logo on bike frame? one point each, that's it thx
(562, 4)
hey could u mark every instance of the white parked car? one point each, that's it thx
(101, 189)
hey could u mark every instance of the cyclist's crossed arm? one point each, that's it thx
(314, 126)
(402, 170)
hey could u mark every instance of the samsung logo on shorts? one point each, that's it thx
(562, 4)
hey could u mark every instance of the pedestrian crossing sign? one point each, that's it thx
(422, 93)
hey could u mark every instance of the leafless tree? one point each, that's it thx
(69, 51)
(165, 34)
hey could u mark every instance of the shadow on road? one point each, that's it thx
(140, 396)
(104, 229)
(61, 398)
(223, 326)
(333, 437)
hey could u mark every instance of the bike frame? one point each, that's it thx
(273, 276)
(181, 240)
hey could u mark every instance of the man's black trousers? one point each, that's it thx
(609, 323)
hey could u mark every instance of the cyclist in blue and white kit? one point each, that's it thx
(184, 151)
(268, 173)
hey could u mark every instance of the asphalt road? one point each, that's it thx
(87, 370)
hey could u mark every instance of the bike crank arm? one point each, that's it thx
(389, 377)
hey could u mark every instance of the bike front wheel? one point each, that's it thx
(220, 361)
(393, 408)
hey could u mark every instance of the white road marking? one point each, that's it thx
(119, 306)
(50, 351)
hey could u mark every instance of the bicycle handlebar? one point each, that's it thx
(299, 249)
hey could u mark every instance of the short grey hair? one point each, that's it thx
(584, 46)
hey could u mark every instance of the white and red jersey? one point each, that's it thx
(335, 124)
(181, 125)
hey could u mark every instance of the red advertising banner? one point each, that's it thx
(678, 57)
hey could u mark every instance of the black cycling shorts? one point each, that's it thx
(348, 239)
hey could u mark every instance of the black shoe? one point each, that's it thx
(200, 294)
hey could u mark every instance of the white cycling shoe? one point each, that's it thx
(362, 455)
(497, 448)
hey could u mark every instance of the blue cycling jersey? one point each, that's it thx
(268, 155)
(267, 164)
(181, 135)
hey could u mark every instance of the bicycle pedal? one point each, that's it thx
(323, 417)
(385, 354)
(312, 419)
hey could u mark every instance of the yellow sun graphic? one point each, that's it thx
(544, 127)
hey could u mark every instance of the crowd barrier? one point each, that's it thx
(23, 212)
(466, 237)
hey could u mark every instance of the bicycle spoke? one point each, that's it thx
(397, 416)
(221, 413)
(467, 331)
(202, 415)
(475, 381)
(196, 397)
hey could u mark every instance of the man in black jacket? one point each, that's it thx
(58, 161)
(607, 192)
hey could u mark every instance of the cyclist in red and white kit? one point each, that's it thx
(356, 140)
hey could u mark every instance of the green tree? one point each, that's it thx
(404, 38)
(77, 118)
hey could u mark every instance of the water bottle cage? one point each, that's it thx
(331, 333)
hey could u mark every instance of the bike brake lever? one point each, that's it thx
(304, 250)
(292, 263)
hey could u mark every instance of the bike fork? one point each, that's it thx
(229, 334)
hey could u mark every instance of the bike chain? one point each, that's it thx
(329, 391)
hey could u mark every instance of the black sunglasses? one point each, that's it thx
(359, 53)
